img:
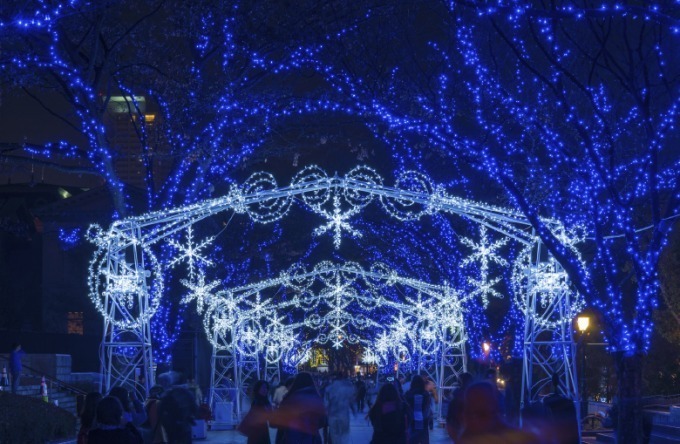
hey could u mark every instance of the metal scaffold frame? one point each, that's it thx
(126, 351)
(548, 349)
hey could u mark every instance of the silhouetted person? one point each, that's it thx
(561, 415)
(110, 426)
(390, 417)
(87, 415)
(361, 394)
(151, 430)
(255, 425)
(482, 421)
(133, 410)
(454, 416)
(176, 412)
(420, 402)
(301, 413)
(15, 365)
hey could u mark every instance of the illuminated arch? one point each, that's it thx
(126, 279)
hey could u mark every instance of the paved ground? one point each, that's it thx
(361, 432)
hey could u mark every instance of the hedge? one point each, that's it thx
(26, 420)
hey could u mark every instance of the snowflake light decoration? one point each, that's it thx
(191, 252)
(200, 291)
(337, 222)
(484, 252)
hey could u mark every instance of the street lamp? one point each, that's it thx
(486, 349)
(583, 322)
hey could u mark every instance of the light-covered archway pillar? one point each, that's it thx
(549, 306)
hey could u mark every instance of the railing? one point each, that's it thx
(49, 379)
(661, 400)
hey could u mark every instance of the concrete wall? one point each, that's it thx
(53, 365)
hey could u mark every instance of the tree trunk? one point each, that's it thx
(629, 427)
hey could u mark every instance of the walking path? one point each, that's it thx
(361, 432)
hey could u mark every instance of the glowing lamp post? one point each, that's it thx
(583, 322)
(486, 348)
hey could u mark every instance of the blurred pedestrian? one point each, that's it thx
(87, 415)
(339, 399)
(361, 394)
(390, 417)
(15, 365)
(110, 427)
(454, 415)
(133, 410)
(280, 392)
(301, 413)
(255, 425)
(420, 402)
(151, 430)
(176, 412)
(561, 416)
(483, 422)
(371, 392)
(431, 388)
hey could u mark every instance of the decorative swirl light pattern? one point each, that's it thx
(338, 294)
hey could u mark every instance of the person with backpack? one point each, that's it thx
(420, 403)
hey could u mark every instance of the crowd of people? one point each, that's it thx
(312, 410)
(402, 411)
(165, 417)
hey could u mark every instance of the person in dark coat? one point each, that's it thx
(483, 420)
(133, 410)
(176, 413)
(15, 365)
(111, 428)
(255, 424)
(390, 417)
(301, 413)
(87, 415)
(361, 394)
(454, 415)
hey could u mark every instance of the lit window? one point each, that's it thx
(74, 322)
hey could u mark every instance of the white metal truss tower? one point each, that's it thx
(125, 352)
(445, 365)
(453, 362)
(549, 349)
(223, 379)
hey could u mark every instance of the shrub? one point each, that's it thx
(29, 420)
